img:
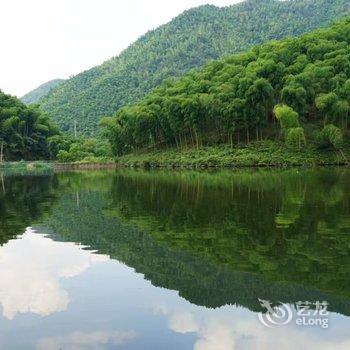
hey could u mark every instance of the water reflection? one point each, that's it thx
(176, 260)
(23, 200)
(220, 238)
(86, 341)
(31, 268)
(240, 331)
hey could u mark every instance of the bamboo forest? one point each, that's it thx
(175, 175)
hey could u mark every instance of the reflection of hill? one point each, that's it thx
(22, 201)
(221, 242)
(238, 223)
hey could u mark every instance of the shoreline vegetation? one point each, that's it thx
(259, 154)
(56, 166)
(263, 154)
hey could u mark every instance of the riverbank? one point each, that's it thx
(84, 166)
(259, 154)
(54, 166)
(26, 166)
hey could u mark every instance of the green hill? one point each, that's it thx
(35, 95)
(295, 91)
(188, 41)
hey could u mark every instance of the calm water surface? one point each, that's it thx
(174, 260)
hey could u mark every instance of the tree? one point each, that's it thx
(24, 131)
(260, 95)
(295, 96)
(296, 138)
(331, 136)
(286, 116)
(235, 121)
(326, 104)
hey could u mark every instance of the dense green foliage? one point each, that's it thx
(68, 149)
(303, 83)
(189, 41)
(24, 131)
(35, 95)
(257, 154)
(331, 136)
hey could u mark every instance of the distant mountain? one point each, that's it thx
(188, 41)
(35, 95)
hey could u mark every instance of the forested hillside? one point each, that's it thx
(24, 131)
(35, 95)
(296, 90)
(189, 41)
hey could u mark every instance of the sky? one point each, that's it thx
(48, 39)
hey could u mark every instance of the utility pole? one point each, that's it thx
(75, 128)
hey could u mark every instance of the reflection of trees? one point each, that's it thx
(234, 223)
(217, 238)
(22, 201)
(214, 237)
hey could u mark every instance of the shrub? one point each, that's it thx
(331, 136)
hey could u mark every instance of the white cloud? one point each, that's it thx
(159, 309)
(213, 335)
(86, 341)
(183, 322)
(216, 335)
(31, 268)
(220, 330)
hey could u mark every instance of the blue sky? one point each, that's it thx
(48, 39)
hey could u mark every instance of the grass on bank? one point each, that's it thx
(48, 166)
(258, 154)
(25, 168)
(23, 165)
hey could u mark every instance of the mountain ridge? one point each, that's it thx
(41, 91)
(190, 40)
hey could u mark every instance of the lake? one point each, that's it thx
(203, 260)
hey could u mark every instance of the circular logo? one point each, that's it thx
(276, 316)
